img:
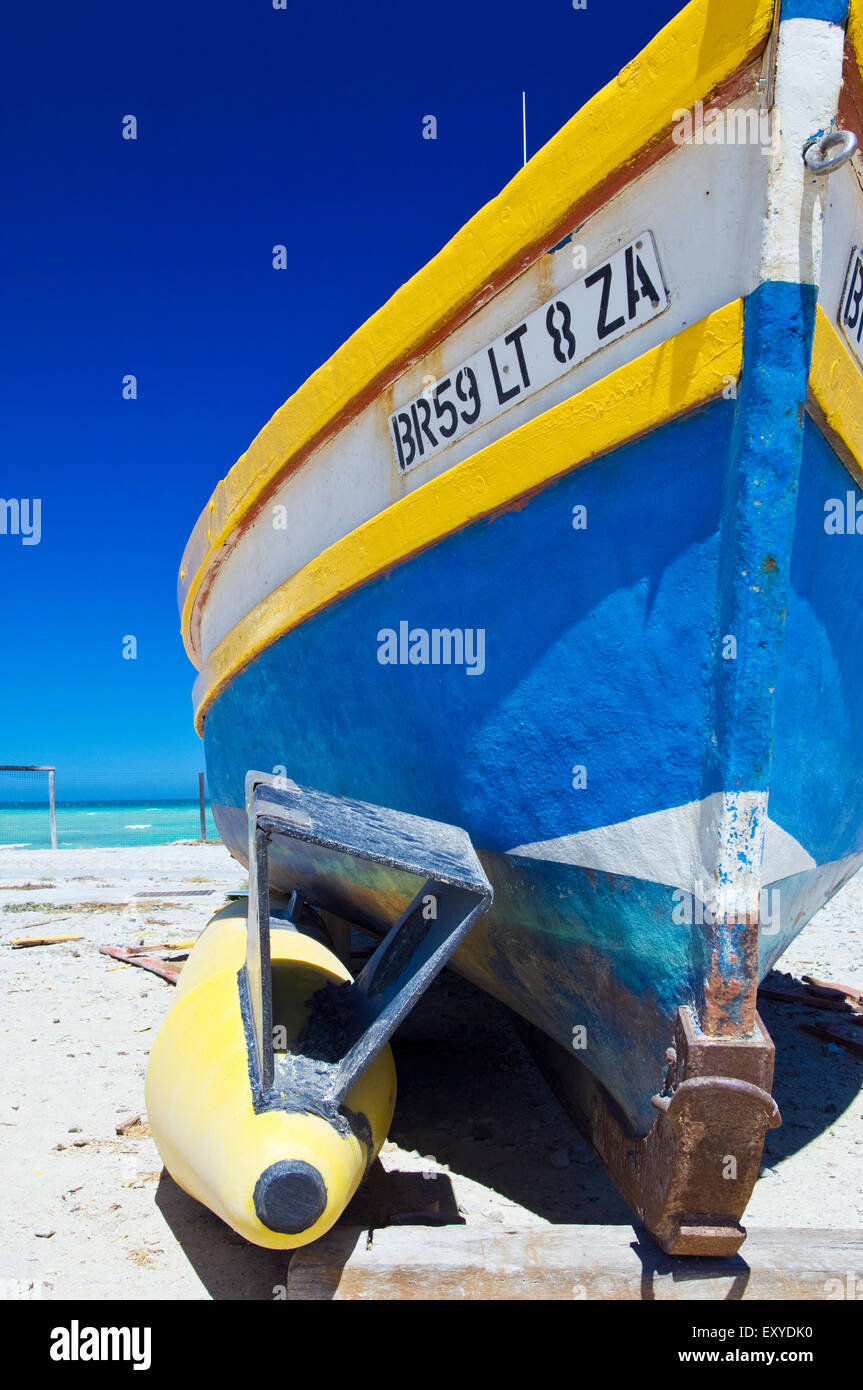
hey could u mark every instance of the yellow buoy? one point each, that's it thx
(281, 1175)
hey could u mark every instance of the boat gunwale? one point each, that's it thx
(619, 152)
(854, 47)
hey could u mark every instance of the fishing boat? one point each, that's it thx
(560, 550)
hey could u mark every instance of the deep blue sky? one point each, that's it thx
(255, 127)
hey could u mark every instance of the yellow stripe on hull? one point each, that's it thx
(199, 1098)
(854, 32)
(836, 394)
(680, 375)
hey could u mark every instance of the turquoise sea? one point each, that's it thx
(97, 824)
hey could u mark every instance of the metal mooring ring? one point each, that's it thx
(817, 154)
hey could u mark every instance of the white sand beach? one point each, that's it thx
(89, 1213)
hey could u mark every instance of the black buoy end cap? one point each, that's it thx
(290, 1196)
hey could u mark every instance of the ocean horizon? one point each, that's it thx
(103, 824)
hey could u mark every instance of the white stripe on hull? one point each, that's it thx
(808, 81)
(843, 228)
(694, 847)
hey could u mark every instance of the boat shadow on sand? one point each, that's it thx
(472, 1102)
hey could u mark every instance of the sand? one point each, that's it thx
(477, 1137)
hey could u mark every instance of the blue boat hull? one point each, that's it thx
(596, 706)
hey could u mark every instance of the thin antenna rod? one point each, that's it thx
(524, 128)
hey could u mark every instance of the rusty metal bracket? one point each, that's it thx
(690, 1177)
